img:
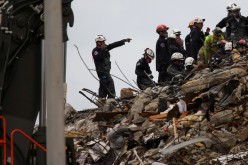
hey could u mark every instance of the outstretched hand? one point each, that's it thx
(127, 40)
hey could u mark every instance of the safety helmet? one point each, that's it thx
(229, 6)
(161, 28)
(189, 61)
(191, 23)
(177, 56)
(228, 46)
(149, 53)
(242, 42)
(172, 35)
(100, 38)
(199, 20)
(176, 32)
(217, 31)
(234, 7)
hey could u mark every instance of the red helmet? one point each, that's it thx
(161, 28)
(242, 42)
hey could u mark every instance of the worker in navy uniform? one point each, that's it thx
(102, 62)
(173, 47)
(237, 25)
(143, 71)
(223, 22)
(188, 38)
(179, 41)
(197, 37)
(162, 55)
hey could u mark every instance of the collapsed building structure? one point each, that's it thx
(203, 120)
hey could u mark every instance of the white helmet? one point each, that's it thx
(177, 56)
(229, 6)
(189, 61)
(172, 35)
(199, 20)
(232, 6)
(176, 31)
(149, 53)
(228, 46)
(100, 38)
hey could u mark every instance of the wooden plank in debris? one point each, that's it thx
(159, 116)
(184, 114)
(175, 128)
(159, 120)
(106, 116)
(147, 114)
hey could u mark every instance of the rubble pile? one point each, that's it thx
(202, 121)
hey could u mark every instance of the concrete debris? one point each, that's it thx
(227, 158)
(202, 121)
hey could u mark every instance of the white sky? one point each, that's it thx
(136, 19)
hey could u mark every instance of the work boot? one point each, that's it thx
(100, 102)
(110, 101)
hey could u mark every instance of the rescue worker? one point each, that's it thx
(102, 62)
(162, 58)
(197, 37)
(237, 25)
(179, 41)
(229, 56)
(188, 38)
(176, 67)
(203, 60)
(219, 54)
(242, 47)
(211, 44)
(172, 44)
(206, 33)
(189, 64)
(223, 22)
(143, 71)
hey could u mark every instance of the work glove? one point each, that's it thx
(150, 76)
(127, 40)
(177, 78)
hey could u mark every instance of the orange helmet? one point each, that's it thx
(161, 28)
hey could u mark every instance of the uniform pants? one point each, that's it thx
(107, 86)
